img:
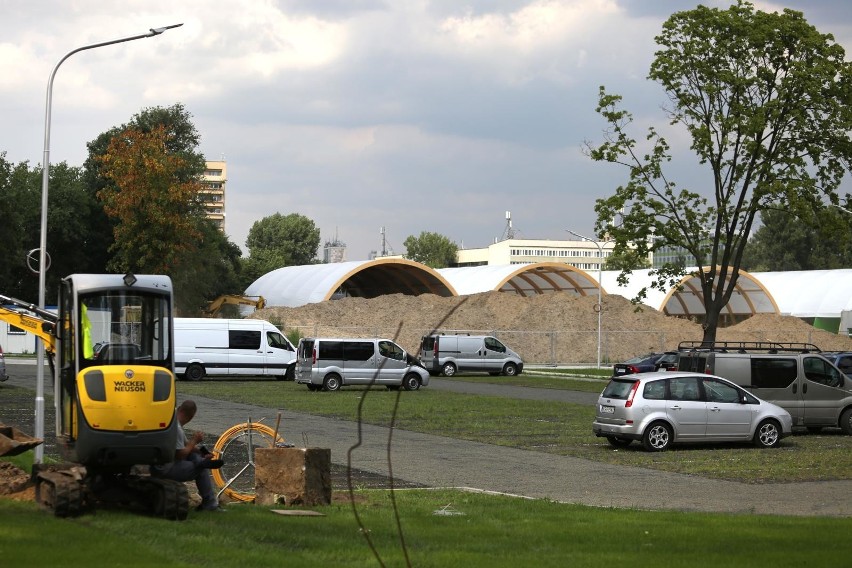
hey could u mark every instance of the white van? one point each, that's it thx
(330, 363)
(449, 354)
(795, 376)
(231, 347)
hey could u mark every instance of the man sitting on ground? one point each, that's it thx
(190, 463)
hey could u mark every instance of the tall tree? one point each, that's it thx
(785, 242)
(183, 141)
(154, 207)
(280, 240)
(432, 249)
(765, 99)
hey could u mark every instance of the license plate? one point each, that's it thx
(607, 409)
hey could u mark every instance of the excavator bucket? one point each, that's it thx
(14, 442)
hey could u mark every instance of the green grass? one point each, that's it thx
(545, 426)
(490, 531)
(541, 381)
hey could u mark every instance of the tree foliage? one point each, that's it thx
(154, 208)
(432, 249)
(277, 241)
(765, 100)
(785, 242)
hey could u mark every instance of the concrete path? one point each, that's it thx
(437, 461)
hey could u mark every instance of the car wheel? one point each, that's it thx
(290, 374)
(617, 442)
(312, 387)
(194, 372)
(768, 434)
(448, 369)
(411, 382)
(657, 437)
(846, 422)
(510, 370)
(331, 383)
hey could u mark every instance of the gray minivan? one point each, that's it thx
(449, 354)
(795, 376)
(330, 363)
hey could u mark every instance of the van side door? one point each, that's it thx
(245, 354)
(471, 352)
(359, 361)
(494, 354)
(776, 379)
(280, 354)
(391, 363)
(822, 392)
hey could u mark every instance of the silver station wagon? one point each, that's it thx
(663, 408)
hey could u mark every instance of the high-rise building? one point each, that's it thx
(213, 195)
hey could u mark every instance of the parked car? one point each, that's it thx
(451, 354)
(330, 363)
(3, 375)
(646, 363)
(664, 408)
(841, 360)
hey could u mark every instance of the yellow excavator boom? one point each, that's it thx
(216, 305)
(40, 323)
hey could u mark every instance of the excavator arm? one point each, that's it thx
(40, 323)
(216, 305)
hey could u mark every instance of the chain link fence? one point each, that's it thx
(553, 348)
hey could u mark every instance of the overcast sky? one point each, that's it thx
(360, 114)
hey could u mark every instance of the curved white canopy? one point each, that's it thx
(521, 279)
(294, 286)
(810, 293)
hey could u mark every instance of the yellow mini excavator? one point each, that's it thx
(115, 407)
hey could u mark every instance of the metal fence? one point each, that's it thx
(555, 348)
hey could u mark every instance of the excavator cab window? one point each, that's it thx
(118, 327)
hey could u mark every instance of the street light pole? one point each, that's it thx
(42, 267)
(599, 306)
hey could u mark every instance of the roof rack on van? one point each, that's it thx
(748, 346)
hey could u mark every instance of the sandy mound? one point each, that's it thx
(546, 329)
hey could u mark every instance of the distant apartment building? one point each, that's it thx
(334, 251)
(213, 195)
(584, 255)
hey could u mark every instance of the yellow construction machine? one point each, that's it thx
(214, 307)
(115, 408)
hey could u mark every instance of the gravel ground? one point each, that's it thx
(434, 461)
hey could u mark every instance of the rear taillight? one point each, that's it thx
(314, 355)
(435, 348)
(630, 396)
(632, 370)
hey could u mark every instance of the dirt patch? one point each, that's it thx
(544, 329)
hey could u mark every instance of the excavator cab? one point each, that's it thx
(115, 405)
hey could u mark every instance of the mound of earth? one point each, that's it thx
(545, 329)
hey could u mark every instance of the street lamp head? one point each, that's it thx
(158, 31)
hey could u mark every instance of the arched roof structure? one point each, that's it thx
(294, 286)
(810, 293)
(750, 295)
(521, 279)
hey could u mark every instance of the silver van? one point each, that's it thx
(330, 363)
(795, 376)
(449, 354)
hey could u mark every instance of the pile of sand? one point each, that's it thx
(546, 329)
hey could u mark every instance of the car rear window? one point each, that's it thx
(618, 388)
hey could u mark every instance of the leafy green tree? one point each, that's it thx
(432, 249)
(785, 242)
(14, 204)
(154, 208)
(182, 140)
(765, 99)
(280, 240)
(626, 260)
